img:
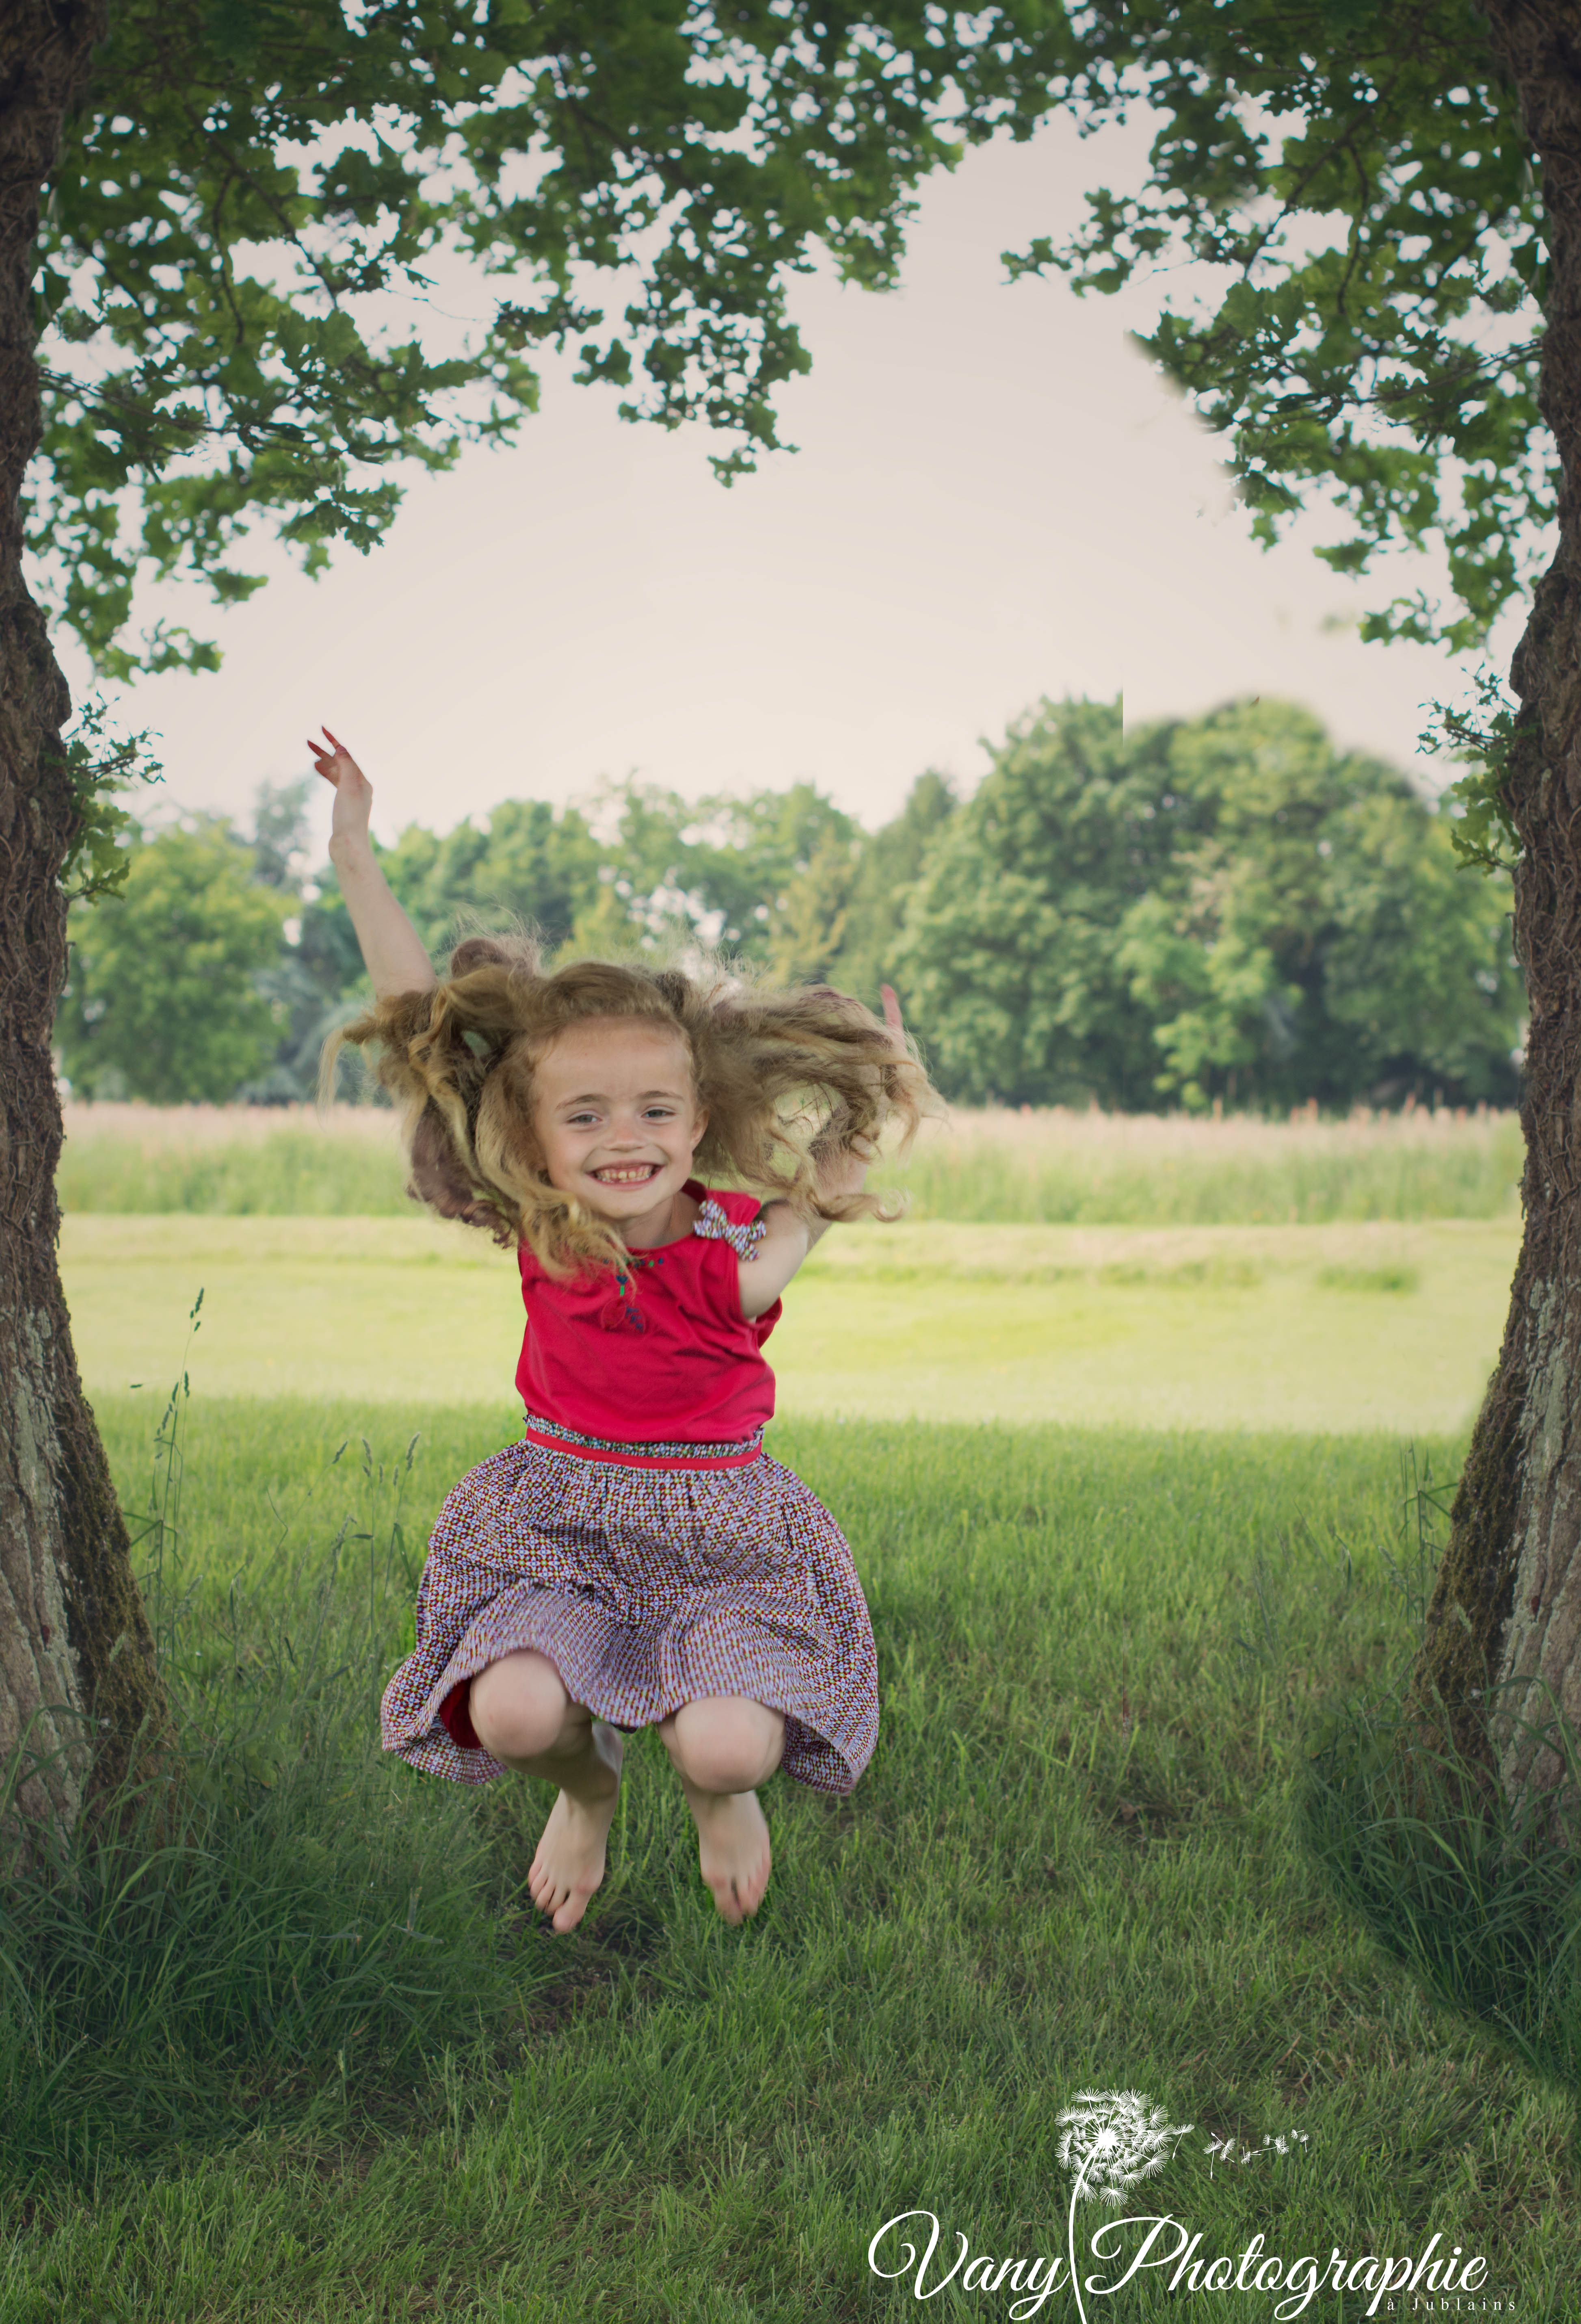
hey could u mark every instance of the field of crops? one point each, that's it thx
(1048, 1169)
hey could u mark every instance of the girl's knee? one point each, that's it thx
(724, 1743)
(520, 1708)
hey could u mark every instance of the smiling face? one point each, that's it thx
(616, 1115)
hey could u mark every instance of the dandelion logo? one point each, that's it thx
(1114, 2138)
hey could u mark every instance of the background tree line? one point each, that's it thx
(1225, 907)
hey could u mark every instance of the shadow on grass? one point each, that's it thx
(279, 1924)
(1472, 1892)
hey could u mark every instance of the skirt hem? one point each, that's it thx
(646, 1591)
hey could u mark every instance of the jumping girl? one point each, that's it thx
(637, 1559)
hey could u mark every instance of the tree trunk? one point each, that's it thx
(77, 1677)
(1502, 1648)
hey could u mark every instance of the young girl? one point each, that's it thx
(637, 1559)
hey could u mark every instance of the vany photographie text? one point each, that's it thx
(1035, 2279)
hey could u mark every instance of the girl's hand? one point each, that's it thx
(353, 793)
(841, 1160)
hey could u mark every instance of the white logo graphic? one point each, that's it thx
(1115, 2139)
(1112, 2140)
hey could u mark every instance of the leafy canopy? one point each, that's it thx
(240, 244)
(1357, 176)
(240, 249)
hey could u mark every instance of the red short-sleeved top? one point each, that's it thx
(661, 1355)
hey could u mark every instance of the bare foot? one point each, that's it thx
(734, 1848)
(571, 1852)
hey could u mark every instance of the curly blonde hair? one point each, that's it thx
(784, 1077)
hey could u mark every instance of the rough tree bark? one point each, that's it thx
(77, 1678)
(1505, 1616)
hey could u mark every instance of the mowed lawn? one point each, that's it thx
(1074, 1864)
(1342, 1327)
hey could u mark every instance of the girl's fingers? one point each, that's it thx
(891, 1009)
(334, 761)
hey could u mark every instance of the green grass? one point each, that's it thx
(1077, 1170)
(280, 1172)
(1397, 1276)
(1325, 1328)
(1075, 1863)
(988, 1168)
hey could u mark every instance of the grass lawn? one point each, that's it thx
(1329, 1328)
(1072, 1866)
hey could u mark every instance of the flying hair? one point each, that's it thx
(784, 1075)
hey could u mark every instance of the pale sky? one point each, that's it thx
(994, 499)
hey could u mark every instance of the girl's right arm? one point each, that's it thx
(392, 951)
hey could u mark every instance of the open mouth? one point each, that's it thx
(627, 1174)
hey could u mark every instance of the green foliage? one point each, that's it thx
(527, 863)
(162, 1000)
(315, 982)
(1008, 960)
(243, 231)
(887, 867)
(1317, 940)
(737, 871)
(1219, 908)
(98, 767)
(763, 876)
(1359, 172)
(1483, 833)
(808, 923)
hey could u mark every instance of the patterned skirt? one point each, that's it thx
(648, 1578)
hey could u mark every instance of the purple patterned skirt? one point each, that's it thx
(647, 1587)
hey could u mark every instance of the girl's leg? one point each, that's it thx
(523, 1715)
(723, 1747)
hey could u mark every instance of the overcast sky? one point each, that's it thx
(994, 499)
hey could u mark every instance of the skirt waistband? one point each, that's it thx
(558, 1439)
